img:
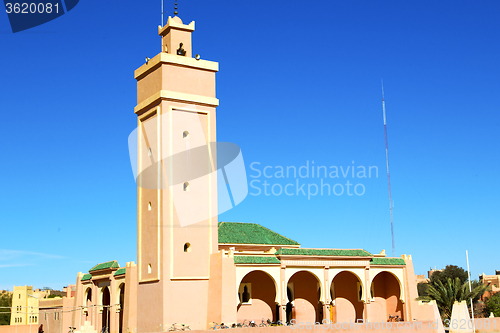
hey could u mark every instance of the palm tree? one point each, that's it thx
(450, 292)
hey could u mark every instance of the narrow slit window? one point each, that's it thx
(187, 247)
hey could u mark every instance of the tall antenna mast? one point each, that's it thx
(162, 12)
(388, 174)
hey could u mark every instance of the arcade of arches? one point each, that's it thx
(288, 284)
(258, 298)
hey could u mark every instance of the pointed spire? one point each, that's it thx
(175, 12)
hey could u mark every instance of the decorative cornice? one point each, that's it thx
(329, 262)
(167, 58)
(176, 96)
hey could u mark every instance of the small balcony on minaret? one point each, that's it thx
(176, 37)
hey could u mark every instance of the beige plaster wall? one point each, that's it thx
(347, 306)
(386, 300)
(305, 293)
(263, 298)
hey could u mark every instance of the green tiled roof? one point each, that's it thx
(387, 261)
(255, 260)
(86, 277)
(120, 271)
(105, 265)
(324, 252)
(250, 233)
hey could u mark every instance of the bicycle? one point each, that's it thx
(72, 329)
(264, 323)
(218, 327)
(252, 324)
(104, 330)
(394, 319)
(175, 327)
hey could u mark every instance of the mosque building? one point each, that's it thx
(196, 270)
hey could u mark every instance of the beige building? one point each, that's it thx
(493, 281)
(25, 305)
(421, 278)
(256, 273)
(195, 270)
(27, 301)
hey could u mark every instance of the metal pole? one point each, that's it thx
(470, 289)
(388, 174)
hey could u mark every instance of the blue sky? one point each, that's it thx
(299, 81)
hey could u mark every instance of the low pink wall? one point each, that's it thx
(487, 324)
(19, 328)
(405, 327)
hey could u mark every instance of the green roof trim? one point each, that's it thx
(120, 271)
(86, 277)
(105, 265)
(324, 252)
(256, 260)
(387, 261)
(250, 233)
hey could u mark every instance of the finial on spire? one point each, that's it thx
(175, 12)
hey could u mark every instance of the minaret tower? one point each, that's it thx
(177, 186)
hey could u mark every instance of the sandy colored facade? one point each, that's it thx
(493, 281)
(421, 279)
(255, 274)
(25, 305)
(195, 270)
(28, 303)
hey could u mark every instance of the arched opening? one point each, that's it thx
(304, 294)
(385, 294)
(347, 296)
(87, 299)
(87, 303)
(106, 302)
(257, 297)
(121, 301)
